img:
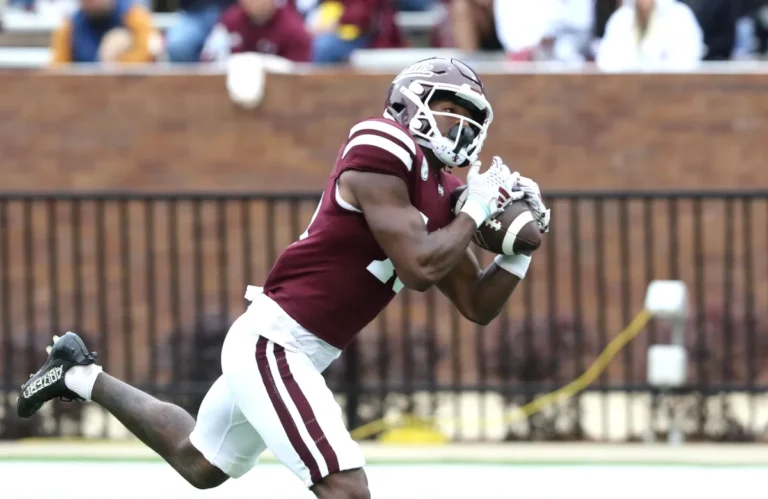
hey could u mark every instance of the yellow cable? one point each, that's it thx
(590, 375)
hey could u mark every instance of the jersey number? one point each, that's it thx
(383, 270)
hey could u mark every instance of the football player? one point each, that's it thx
(384, 222)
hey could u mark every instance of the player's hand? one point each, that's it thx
(515, 193)
(532, 196)
(489, 192)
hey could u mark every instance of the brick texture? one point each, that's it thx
(181, 133)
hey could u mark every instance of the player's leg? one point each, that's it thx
(165, 428)
(351, 484)
(285, 398)
(219, 445)
(70, 372)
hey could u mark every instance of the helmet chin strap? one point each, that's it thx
(450, 158)
(444, 153)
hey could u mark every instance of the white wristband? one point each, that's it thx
(514, 264)
(475, 210)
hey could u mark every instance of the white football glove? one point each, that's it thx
(532, 196)
(511, 184)
(489, 192)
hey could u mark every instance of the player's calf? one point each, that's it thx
(194, 468)
(163, 427)
(350, 484)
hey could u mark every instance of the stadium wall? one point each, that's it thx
(180, 132)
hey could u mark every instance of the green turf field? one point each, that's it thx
(114, 479)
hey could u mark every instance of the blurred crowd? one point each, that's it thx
(615, 34)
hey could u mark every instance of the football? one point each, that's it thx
(511, 232)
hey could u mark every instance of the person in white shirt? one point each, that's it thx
(557, 30)
(651, 35)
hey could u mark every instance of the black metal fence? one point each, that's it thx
(152, 281)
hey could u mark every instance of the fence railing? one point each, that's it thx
(152, 281)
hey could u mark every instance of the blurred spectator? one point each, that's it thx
(469, 26)
(105, 31)
(573, 27)
(339, 27)
(28, 5)
(305, 6)
(558, 30)
(259, 26)
(196, 18)
(414, 5)
(651, 34)
(604, 9)
(717, 19)
(757, 11)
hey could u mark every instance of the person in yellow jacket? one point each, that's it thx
(110, 31)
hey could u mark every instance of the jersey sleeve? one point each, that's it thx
(452, 182)
(381, 147)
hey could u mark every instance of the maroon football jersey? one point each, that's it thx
(336, 279)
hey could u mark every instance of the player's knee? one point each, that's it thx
(202, 475)
(356, 489)
(351, 484)
(352, 492)
(362, 493)
(202, 482)
(195, 468)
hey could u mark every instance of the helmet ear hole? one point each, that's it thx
(417, 88)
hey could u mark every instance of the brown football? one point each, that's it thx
(512, 232)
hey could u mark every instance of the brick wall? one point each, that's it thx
(181, 132)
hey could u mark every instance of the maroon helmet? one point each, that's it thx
(436, 79)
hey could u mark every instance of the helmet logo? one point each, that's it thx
(421, 69)
(424, 170)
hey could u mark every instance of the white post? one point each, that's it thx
(667, 364)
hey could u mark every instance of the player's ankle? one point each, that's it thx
(81, 379)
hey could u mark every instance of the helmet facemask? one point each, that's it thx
(462, 144)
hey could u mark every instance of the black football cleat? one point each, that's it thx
(48, 382)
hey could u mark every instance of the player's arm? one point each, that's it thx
(481, 294)
(421, 259)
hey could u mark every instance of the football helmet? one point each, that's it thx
(439, 78)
